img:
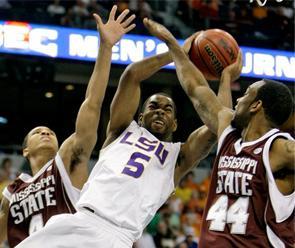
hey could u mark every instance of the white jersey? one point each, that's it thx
(133, 177)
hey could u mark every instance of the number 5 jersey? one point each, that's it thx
(33, 200)
(244, 206)
(133, 177)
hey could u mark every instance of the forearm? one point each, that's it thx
(147, 67)
(196, 87)
(188, 74)
(89, 113)
(100, 76)
(224, 91)
(128, 92)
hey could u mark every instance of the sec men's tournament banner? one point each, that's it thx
(79, 44)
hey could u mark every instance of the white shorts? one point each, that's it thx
(81, 229)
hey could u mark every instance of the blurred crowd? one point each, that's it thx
(8, 173)
(249, 23)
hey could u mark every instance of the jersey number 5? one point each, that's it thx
(237, 215)
(134, 166)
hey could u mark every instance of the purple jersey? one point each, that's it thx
(33, 200)
(244, 206)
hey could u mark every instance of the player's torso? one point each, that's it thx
(33, 200)
(234, 213)
(138, 171)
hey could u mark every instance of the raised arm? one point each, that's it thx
(209, 108)
(201, 141)
(4, 208)
(76, 150)
(126, 99)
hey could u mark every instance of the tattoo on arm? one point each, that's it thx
(76, 158)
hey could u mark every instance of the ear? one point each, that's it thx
(256, 106)
(175, 124)
(26, 152)
(140, 119)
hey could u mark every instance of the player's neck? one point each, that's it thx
(256, 128)
(39, 160)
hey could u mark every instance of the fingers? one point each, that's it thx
(97, 19)
(122, 15)
(132, 26)
(113, 13)
(240, 60)
(146, 22)
(128, 21)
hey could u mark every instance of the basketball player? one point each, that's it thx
(137, 170)
(251, 199)
(31, 201)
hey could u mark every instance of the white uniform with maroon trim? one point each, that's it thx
(132, 179)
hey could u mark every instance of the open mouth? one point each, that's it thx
(159, 122)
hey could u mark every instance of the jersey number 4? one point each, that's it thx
(36, 223)
(237, 215)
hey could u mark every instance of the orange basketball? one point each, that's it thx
(212, 51)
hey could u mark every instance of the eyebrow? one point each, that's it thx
(166, 105)
(40, 128)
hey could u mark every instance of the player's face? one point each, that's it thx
(41, 139)
(243, 107)
(159, 116)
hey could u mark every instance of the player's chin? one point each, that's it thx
(161, 129)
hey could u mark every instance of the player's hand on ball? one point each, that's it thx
(158, 30)
(235, 69)
(188, 42)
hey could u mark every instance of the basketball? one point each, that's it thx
(212, 51)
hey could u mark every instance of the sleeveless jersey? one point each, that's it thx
(33, 200)
(244, 206)
(133, 177)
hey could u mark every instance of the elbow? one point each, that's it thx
(132, 71)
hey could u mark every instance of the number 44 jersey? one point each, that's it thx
(244, 206)
(33, 200)
(133, 177)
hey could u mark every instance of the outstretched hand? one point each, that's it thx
(113, 30)
(235, 69)
(158, 30)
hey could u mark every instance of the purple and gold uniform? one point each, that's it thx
(244, 206)
(33, 200)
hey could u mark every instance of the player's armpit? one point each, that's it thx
(197, 147)
(4, 208)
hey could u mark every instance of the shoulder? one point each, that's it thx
(282, 145)
(282, 153)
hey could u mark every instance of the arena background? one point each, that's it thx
(48, 91)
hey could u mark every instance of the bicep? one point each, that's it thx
(197, 147)
(75, 159)
(125, 103)
(289, 153)
(282, 155)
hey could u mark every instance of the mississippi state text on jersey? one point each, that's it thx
(33, 200)
(244, 206)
